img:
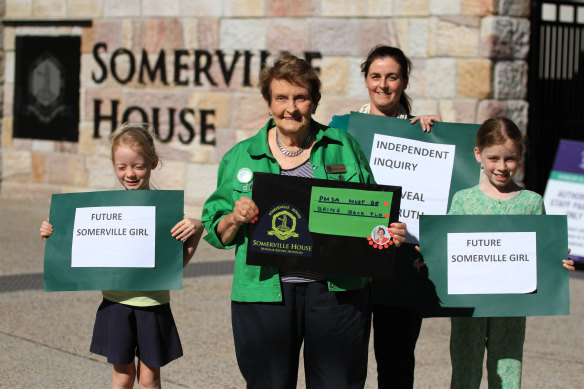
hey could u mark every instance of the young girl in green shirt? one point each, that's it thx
(499, 147)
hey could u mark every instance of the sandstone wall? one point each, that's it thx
(469, 63)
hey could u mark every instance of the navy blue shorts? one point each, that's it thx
(122, 333)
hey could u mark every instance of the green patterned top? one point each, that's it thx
(473, 201)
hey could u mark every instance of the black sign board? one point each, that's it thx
(46, 87)
(334, 227)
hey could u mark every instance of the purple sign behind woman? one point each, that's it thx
(564, 193)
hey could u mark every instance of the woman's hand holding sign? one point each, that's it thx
(398, 232)
(426, 121)
(244, 211)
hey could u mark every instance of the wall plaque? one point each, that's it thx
(46, 87)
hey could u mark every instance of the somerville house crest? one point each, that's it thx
(283, 225)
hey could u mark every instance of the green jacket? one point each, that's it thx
(332, 146)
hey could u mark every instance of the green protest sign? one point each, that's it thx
(114, 240)
(348, 212)
(430, 167)
(495, 266)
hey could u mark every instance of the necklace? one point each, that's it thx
(290, 153)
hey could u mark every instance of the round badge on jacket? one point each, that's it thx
(244, 175)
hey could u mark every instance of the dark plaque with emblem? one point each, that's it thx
(46, 87)
(329, 226)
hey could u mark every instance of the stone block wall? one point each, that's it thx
(2, 56)
(469, 63)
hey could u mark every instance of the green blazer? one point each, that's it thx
(332, 146)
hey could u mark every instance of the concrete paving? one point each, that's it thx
(44, 337)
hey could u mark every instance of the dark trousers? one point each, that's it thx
(395, 332)
(334, 326)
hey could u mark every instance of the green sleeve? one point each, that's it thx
(361, 159)
(364, 164)
(219, 204)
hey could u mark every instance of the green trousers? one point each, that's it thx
(503, 338)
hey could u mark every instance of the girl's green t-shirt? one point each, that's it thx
(473, 201)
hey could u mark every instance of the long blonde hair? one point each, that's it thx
(136, 137)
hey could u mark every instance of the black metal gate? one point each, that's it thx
(556, 84)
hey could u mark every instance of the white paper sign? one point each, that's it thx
(422, 169)
(114, 237)
(567, 198)
(492, 263)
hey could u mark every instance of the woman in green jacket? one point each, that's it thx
(275, 311)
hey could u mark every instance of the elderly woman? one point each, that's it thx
(275, 310)
(395, 329)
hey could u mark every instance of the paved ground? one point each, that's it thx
(44, 337)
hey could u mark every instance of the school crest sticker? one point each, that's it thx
(283, 225)
(283, 230)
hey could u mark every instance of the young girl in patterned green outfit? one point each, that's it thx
(498, 149)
